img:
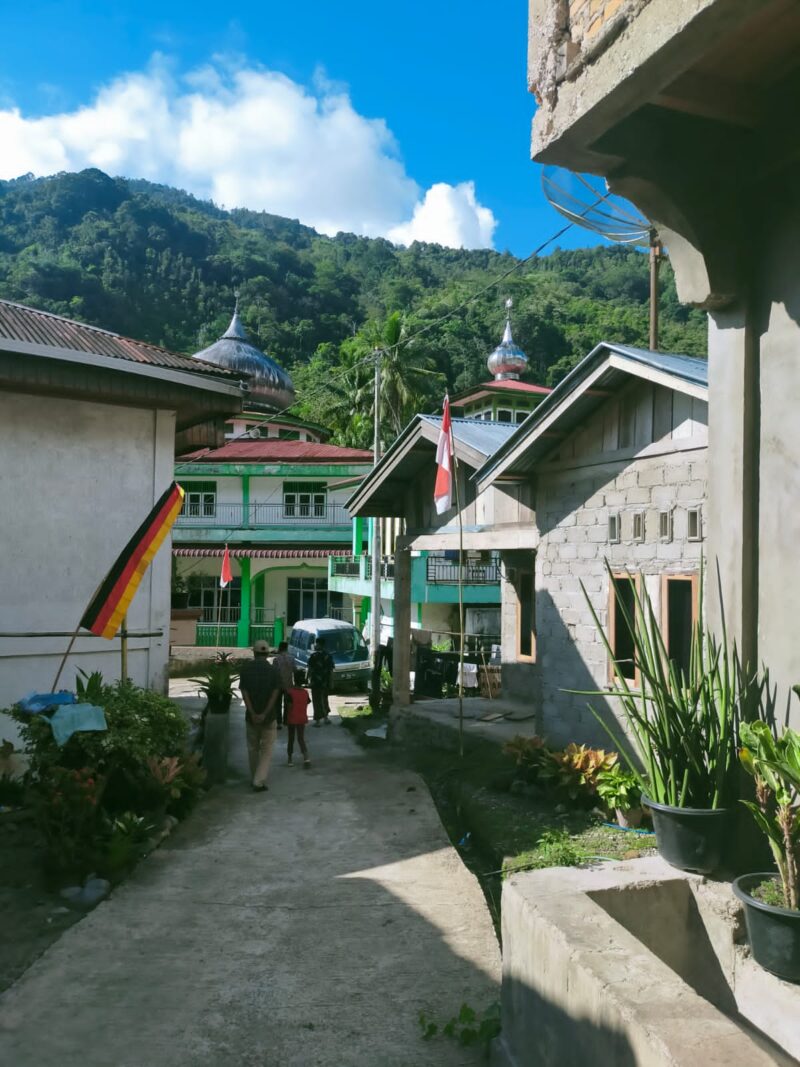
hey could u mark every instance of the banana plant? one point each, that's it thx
(774, 763)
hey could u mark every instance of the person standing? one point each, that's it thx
(260, 686)
(320, 677)
(285, 666)
(296, 720)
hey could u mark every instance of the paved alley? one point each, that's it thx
(305, 926)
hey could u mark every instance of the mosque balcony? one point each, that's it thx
(264, 522)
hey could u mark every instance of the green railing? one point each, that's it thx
(209, 634)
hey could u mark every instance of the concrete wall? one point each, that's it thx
(575, 497)
(77, 479)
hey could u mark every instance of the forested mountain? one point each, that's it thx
(158, 264)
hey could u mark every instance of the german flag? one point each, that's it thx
(110, 602)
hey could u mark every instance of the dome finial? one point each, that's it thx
(508, 360)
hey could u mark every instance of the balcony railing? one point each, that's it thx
(237, 516)
(446, 572)
(346, 566)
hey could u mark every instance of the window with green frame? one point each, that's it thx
(200, 499)
(303, 500)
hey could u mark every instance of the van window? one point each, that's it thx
(343, 641)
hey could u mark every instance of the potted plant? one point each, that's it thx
(683, 728)
(772, 900)
(217, 685)
(621, 793)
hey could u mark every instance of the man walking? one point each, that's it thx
(260, 687)
(285, 666)
(320, 677)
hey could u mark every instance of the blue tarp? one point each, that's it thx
(67, 717)
(70, 718)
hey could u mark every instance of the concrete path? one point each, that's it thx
(305, 926)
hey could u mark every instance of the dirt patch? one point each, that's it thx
(32, 914)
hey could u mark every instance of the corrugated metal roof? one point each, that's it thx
(513, 386)
(271, 450)
(258, 553)
(479, 434)
(29, 325)
(690, 368)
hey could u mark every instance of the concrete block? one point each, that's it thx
(597, 535)
(640, 495)
(663, 495)
(567, 552)
(586, 517)
(677, 473)
(670, 550)
(651, 476)
(694, 491)
(587, 551)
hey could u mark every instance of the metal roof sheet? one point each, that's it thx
(479, 434)
(30, 325)
(272, 449)
(258, 553)
(690, 368)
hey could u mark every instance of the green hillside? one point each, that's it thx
(158, 264)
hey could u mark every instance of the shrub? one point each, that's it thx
(530, 754)
(619, 788)
(573, 772)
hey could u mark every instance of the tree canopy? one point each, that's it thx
(158, 264)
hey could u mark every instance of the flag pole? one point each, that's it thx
(218, 599)
(460, 593)
(64, 658)
(123, 648)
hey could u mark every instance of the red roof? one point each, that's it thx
(517, 387)
(259, 553)
(271, 450)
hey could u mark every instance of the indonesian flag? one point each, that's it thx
(225, 577)
(443, 486)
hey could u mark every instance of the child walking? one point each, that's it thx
(296, 719)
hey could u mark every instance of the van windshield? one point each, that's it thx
(338, 641)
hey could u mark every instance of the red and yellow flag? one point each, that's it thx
(110, 602)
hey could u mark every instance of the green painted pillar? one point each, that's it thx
(364, 611)
(246, 501)
(358, 535)
(278, 632)
(243, 630)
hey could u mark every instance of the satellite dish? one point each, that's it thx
(256, 433)
(586, 201)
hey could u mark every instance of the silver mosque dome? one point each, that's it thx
(271, 388)
(508, 361)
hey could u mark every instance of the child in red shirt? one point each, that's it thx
(297, 718)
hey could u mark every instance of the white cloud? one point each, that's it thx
(248, 137)
(449, 215)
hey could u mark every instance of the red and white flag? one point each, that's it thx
(225, 575)
(443, 486)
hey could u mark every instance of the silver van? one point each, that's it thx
(345, 644)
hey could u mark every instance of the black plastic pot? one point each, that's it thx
(773, 932)
(691, 839)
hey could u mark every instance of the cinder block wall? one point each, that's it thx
(572, 514)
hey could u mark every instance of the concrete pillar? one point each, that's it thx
(732, 549)
(245, 500)
(358, 535)
(401, 658)
(243, 629)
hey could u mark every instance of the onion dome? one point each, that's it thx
(271, 387)
(508, 361)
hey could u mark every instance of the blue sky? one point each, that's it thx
(448, 81)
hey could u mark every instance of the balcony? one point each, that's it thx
(264, 522)
(433, 579)
(446, 572)
(234, 516)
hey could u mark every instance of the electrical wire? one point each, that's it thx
(410, 338)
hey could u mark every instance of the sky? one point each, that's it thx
(408, 120)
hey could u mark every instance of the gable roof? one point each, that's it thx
(497, 385)
(475, 440)
(27, 330)
(583, 390)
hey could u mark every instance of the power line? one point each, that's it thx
(409, 338)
